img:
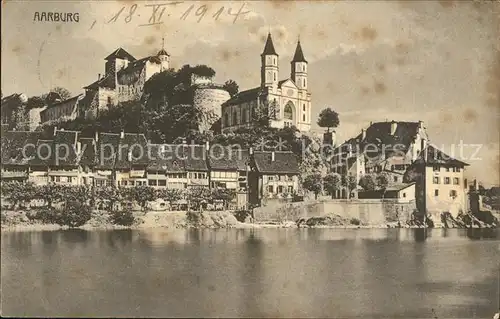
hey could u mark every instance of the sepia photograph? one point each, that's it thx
(250, 159)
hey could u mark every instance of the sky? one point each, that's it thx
(434, 61)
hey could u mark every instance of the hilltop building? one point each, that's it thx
(288, 101)
(123, 79)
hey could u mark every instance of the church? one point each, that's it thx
(288, 101)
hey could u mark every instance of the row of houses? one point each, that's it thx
(416, 169)
(128, 159)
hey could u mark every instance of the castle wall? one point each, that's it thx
(210, 99)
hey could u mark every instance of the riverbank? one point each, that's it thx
(17, 221)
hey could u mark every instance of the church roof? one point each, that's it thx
(162, 52)
(269, 47)
(299, 55)
(244, 96)
(120, 54)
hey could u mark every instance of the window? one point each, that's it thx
(395, 178)
(271, 178)
(304, 82)
(303, 118)
(435, 168)
(58, 178)
(270, 189)
(304, 107)
(152, 182)
(448, 169)
(124, 183)
(70, 179)
(436, 192)
(404, 195)
(435, 180)
(280, 189)
(290, 189)
(447, 180)
(109, 100)
(235, 118)
(453, 193)
(274, 76)
(132, 183)
(456, 169)
(456, 181)
(288, 112)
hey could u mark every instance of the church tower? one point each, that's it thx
(269, 64)
(299, 68)
(163, 56)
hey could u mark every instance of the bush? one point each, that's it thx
(74, 214)
(46, 215)
(123, 217)
(241, 215)
(193, 217)
(355, 221)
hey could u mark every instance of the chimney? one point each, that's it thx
(122, 134)
(394, 126)
(98, 76)
(420, 124)
(363, 134)
(55, 130)
(273, 156)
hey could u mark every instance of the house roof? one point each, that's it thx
(284, 162)
(244, 96)
(431, 155)
(107, 149)
(12, 100)
(73, 99)
(166, 158)
(227, 158)
(107, 81)
(120, 54)
(269, 46)
(88, 147)
(196, 157)
(132, 150)
(299, 55)
(44, 154)
(64, 151)
(12, 144)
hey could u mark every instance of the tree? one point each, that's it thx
(313, 183)
(332, 183)
(50, 193)
(328, 118)
(63, 92)
(349, 182)
(367, 182)
(107, 196)
(223, 194)
(198, 195)
(17, 193)
(231, 87)
(382, 181)
(142, 195)
(74, 214)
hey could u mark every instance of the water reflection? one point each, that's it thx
(251, 273)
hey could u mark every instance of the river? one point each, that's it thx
(336, 273)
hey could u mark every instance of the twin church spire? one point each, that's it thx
(269, 66)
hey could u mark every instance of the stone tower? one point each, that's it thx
(269, 64)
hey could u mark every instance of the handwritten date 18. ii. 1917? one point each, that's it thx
(156, 13)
